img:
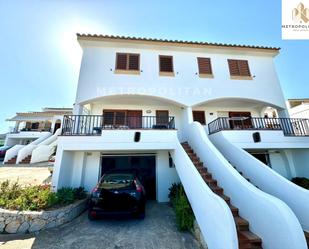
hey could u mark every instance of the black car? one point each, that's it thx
(3, 150)
(118, 192)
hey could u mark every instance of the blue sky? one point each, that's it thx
(40, 56)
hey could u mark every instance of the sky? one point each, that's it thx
(40, 56)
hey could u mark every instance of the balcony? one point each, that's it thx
(289, 126)
(92, 125)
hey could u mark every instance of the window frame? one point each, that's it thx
(127, 70)
(204, 75)
(240, 75)
(166, 73)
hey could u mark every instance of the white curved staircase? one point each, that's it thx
(270, 218)
(265, 178)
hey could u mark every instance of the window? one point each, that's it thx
(204, 65)
(239, 68)
(114, 117)
(166, 64)
(199, 116)
(240, 120)
(127, 61)
(162, 117)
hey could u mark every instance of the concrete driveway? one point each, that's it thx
(156, 231)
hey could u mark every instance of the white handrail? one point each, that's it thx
(211, 212)
(12, 152)
(43, 152)
(265, 178)
(27, 150)
(269, 217)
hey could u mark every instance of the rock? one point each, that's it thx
(60, 215)
(1, 219)
(37, 225)
(23, 228)
(8, 220)
(2, 225)
(12, 227)
(45, 215)
(51, 224)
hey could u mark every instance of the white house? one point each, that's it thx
(136, 103)
(32, 129)
(298, 108)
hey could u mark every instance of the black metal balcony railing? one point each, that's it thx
(91, 125)
(289, 126)
(30, 130)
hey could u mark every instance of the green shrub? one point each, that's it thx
(173, 192)
(13, 196)
(65, 196)
(183, 211)
(79, 193)
(301, 181)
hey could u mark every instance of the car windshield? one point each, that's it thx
(117, 180)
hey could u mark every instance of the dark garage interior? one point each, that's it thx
(145, 164)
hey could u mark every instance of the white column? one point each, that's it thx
(283, 113)
(77, 109)
(53, 125)
(16, 128)
(186, 119)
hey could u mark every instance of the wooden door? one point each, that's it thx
(199, 116)
(162, 117)
(134, 118)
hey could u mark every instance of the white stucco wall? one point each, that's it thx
(97, 77)
(280, 164)
(269, 139)
(166, 176)
(301, 162)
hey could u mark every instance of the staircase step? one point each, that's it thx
(26, 160)
(241, 224)
(217, 190)
(210, 181)
(234, 210)
(247, 240)
(226, 198)
(12, 160)
(247, 235)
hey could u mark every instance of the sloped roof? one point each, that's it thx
(198, 43)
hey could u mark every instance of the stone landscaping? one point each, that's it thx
(33, 221)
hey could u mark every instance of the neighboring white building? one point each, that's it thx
(298, 108)
(32, 129)
(136, 102)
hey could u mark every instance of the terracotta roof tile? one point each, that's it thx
(173, 41)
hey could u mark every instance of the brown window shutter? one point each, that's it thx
(121, 61)
(166, 63)
(133, 61)
(233, 66)
(244, 68)
(204, 65)
(239, 67)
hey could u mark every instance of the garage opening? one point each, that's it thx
(144, 163)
